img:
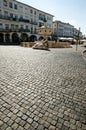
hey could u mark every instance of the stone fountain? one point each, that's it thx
(44, 31)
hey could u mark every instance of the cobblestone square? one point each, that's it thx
(42, 90)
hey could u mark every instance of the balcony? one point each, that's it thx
(34, 23)
(4, 30)
(24, 20)
(14, 18)
(5, 17)
(17, 30)
(23, 30)
(42, 19)
(14, 30)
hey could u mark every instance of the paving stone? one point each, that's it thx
(84, 126)
(18, 119)
(15, 126)
(22, 123)
(19, 114)
(64, 127)
(66, 123)
(9, 114)
(40, 127)
(73, 127)
(6, 119)
(59, 125)
(52, 127)
(9, 128)
(72, 121)
(27, 126)
(53, 122)
(1, 122)
(35, 124)
(46, 125)
(24, 117)
(20, 128)
(36, 118)
(10, 122)
(4, 126)
(29, 120)
(78, 124)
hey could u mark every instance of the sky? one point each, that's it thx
(70, 11)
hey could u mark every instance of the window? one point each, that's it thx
(10, 5)
(12, 26)
(5, 2)
(0, 25)
(31, 19)
(21, 18)
(6, 26)
(15, 6)
(26, 26)
(5, 13)
(48, 18)
(31, 11)
(16, 16)
(31, 29)
(11, 15)
(22, 26)
(16, 26)
(41, 17)
(26, 11)
(40, 24)
(35, 12)
(34, 30)
(20, 9)
(0, 12)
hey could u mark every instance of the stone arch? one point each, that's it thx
(49, 38)
(15, 38)
(24, 37)
(1, 37)
(33, 38)
(7, 37)
(41, 37)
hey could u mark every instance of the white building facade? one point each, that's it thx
(61, 29)
(18, 21)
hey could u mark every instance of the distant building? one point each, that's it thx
(61, 29)
(18, 21)
(77, 33)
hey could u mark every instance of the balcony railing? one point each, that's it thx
(5, 17)
(23, 30)
(18, 19)
(14, 30)
(24, 20)
(31, 22)
(14, 18)
(4, 30)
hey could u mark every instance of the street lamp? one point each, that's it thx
(78, 39)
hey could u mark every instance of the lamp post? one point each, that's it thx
(78, 39)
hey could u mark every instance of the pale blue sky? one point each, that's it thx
(72, 11)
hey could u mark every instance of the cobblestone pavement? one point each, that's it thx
(42, 90)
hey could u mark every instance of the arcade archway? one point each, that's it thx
(7, 37)
(15, 38)
(33, 38)
(1, 37)
(24, 37)
(40, 38)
